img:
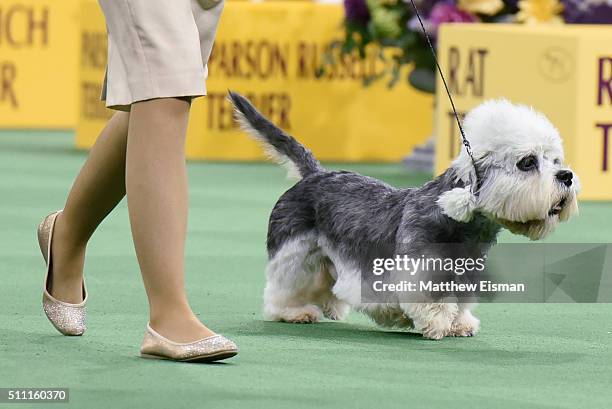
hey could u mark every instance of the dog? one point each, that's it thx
(325, 230)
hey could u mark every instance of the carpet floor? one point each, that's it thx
(526, 356)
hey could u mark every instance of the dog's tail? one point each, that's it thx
(281, 147)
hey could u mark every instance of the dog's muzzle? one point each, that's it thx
(558, 207)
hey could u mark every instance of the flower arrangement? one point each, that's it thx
(392, 24)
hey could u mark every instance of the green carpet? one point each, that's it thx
(526, 356)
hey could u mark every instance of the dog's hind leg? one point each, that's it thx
(295, 282)
(333, 307)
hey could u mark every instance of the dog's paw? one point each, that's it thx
(308, 314)
(438, 327)
(433, 320)
(336, 310)
(304, 318)
(465, 325)
(436, 330)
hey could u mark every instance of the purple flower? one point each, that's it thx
(356, 11)
(442, 12)
(587, 12)
(449, 13)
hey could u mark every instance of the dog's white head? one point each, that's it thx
(524, 184)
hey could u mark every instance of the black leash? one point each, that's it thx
(466, 143)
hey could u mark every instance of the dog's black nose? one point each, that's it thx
(565, 177)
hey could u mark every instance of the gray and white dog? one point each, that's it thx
(324, 231)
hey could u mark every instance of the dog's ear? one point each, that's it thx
(459, 203)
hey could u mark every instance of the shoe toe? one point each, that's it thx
(227, 344)
(67, 319)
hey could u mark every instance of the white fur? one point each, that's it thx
(434, 320)
(465, 324)
(299, 284)
(458, 204)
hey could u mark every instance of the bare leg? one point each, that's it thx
(156, 181)
(99, 186)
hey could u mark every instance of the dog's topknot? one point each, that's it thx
(501, 128)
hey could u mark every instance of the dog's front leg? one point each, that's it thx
(465, 324)
(434, 320)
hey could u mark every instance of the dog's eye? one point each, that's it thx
(528, 163)
(557, 161)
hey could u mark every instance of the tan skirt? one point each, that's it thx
(157, 49)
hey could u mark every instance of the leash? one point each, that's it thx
(464, 140)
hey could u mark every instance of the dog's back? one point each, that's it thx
(341, 206)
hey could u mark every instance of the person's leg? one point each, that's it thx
(156, 182)
(99, 186)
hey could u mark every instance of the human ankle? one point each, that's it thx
(66, 238)
(175, 315)
(164, 315)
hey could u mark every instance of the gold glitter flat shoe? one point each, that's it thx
(213, 348)
(69, 319)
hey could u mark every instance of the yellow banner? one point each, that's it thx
(38, 63)
(563, 71)
(271, 52)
